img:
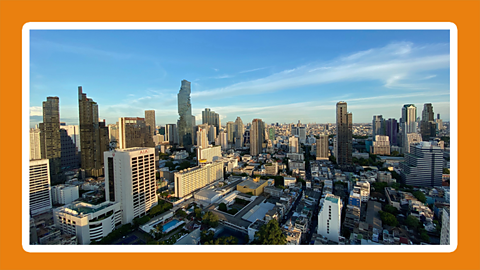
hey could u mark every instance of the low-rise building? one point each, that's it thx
(253, 186)
(64, 194)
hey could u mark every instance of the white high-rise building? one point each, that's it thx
(445, 233)
(329, 218)
(191, 179)
(410, 139)
(130, 180)
(64, 194)
(202, 139)
(40, 196)
(293, 145)
(212, 133)
(209, 154)
(35, 151)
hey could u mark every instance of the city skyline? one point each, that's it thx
(279, 79)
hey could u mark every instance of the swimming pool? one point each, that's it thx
(171, 225)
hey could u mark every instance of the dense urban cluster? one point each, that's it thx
(133, 182)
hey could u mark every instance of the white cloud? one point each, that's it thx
(36, 111)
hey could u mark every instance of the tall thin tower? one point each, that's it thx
(50, 143)
(344, 135)
(256, 137)
(185, 123)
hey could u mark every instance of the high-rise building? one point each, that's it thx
(411, 138)
(329, 218)
(322, 147)
(423, 166)
(113, 132)
(92, 136)
(171, 133)
(256, 137)
(293, 145)
(202, 139)
(211, 118)
(209, 154)
(445, 232)
(150, 121)
(391, 130)
(134, 132)
(212, 133)
(378, 126)
(35, 149)
(39, 187)
(130, 180)
(191, 179)
(344, 135)
(230, 131)
(70, 158)
(222, 140)
(380, 146)
(409, 116)
(428, 126)
(239, 130)
(185, 123)
(271, 134)
(64, 194)
(50, 144)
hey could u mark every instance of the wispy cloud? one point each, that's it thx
(36, 111)
(386, 64)
(429, 77)
(252, 70)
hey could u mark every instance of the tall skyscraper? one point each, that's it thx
(39, 187)
(185, 123)
(50, 137)
(391, 130)
(380, 146)
(423, 166)
(171, 133)
(134, 132)
(322, 147)
(113, 132)
(428, 126)
(230, 131)
(239, 130)
(344, 135)
(256, 137)
(150, 121)
(92, 136)
(212, 133)
(35, 149)
(378, 126)
(70, 158)
(409, 116)
(211, 118)
(202, 138)
(293, 145)
(329, 218)
(130, 180)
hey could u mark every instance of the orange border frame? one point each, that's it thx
(14, 14)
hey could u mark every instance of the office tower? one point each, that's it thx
(161, 130)
(410, 139)
(74, 132)
(130, 180)
(70, 158)
(423, 166)
(150, 121)
(222, 140)
(271, 134)
(113, 132)
(209, 154)
(171, 134)
(256, 137)
(322, 147)
(191, 179)
(428, 125)
(50, 145)
(212, 133)
(293, 145)
(92, 136)
(202, 139)
(391, 130)
(39, 187)
(239, 131)
(230, 131)
(185, 123)
(329, 218)
(409, 116)
(380, 146)
(35, 149)
(445, 232)
(211, 118)
(378, 126)
(344, 135)
(134, 132)
(158, 139)
(302, 134)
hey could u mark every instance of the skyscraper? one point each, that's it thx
(256, 137)
(134, 132)
(50, 137)
(391, 130)
(130, 180)
(202, 138)
(171, 133)
(92, 135)
(35, 144)
(185, 123)
(39, 187)
(409, 116)
(211, 118)
(230, 131)
(378, 126)
(293, 145)
(423, 166)
(150, 121)
(322, 147)
(329, 218)
(239, 130)
(344, 135)
(428, 126)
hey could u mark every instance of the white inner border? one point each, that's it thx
(239, 26)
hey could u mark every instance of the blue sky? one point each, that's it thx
(278, 76)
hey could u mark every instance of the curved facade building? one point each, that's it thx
(186, 121)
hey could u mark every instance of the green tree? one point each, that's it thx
(222, 207)
(388, 219)
(412, 222)
(206, 236)
(198, 213)
(184, 165)
(270, 234)
(390, 209)
(446, 171)
(420, 196)
(181, 213)
(210, 219)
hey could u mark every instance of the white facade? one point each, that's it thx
(158, 139)
(410, 139)
(191, 179)
(209, 154)
(64, 194)
(130, 180)
(329, 218)
(289, 181)
(39, 187)
(87, 221)
(202, 139)
(364, 190)
(293, 145)
(445, 233)
(35, 152)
